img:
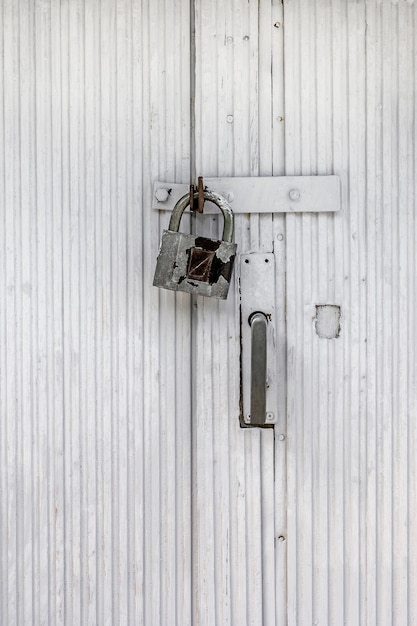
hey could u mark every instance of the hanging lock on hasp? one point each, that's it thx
(197, 265)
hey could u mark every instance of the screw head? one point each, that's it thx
(295, 194)
(162, 194)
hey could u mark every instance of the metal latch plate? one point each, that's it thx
(257, 293)
(261, 194)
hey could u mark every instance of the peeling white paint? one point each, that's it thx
(328, 321)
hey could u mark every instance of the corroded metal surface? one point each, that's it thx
(196, 265)
(185, 264)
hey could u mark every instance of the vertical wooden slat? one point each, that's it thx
(4, 569)
(25, 357)
(91, 42)
(234, 527)
(350, 85)
(412, 300)
(340, 153)
(135, 286)
(321, 278)
(402, 611)
(373, 200)
(276, 25)
(149, 311)
(95, 412)
(386, 306)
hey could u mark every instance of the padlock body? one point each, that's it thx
(193, 264)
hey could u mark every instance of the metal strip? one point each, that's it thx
(262, 194)
(234, 564)
(257, 294)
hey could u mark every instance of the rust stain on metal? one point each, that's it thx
(204, 264)
(200, 194)
(200, 264)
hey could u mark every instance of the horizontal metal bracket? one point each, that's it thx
(265, 194)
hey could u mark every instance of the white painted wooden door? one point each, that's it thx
(95, 444)
(323, 87)
(129, 492)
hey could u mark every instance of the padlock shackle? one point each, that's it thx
(211, 196)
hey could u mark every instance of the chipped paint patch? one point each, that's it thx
(328, 321)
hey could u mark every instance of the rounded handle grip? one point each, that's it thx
(258, 322)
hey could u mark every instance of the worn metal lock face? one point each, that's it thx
(194, 264)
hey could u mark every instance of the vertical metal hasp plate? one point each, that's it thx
(257, 294)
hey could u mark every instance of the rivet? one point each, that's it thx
(281, 538)
(295, 194)
(269, 416)
(162, 194)
(229, 119)
(246, 38)
(229, 40)
(280, 118)
(280, 237)
(281, 437)
(277, 24)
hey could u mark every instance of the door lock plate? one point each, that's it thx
(257, 294)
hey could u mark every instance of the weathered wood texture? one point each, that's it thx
(95, 463)
(238, 134)
(350, 109)
(129, 493)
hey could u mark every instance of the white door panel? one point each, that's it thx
(349, 110)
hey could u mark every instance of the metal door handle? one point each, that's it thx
(258, 322)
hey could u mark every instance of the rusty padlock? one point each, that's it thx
(194, 264)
